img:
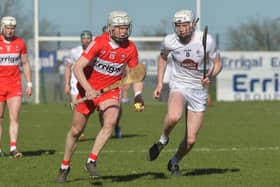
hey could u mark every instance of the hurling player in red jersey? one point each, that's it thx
(13, 53)
(112, 52)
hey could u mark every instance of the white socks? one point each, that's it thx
(90, 160)
(12, 148)
(64, 166)
(163, 139)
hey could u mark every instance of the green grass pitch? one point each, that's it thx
(237, 146)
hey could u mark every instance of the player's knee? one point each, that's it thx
(76, 132)
(110, 123)
(107, 129)
(173, 119)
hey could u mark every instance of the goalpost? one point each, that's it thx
(38, 39)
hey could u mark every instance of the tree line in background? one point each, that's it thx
(254, 34)
(25, 21)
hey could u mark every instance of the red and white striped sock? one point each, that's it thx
(65, 164)
(92, 158)
(13, 146)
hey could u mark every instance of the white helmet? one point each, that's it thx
(119, 18)
(8, 21)
(183, 16)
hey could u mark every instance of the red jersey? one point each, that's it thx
(10, 59)
(111, 60)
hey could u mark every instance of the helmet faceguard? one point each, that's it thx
(184, 16)
(11, 22)
(86, 38)
(86, 34)
(118, 19)
(8, 21)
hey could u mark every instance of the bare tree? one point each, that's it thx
(255, 35)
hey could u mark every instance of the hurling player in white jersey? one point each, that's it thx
(188, 87)
(74, 55)
(69, 77)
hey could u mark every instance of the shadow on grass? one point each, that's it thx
(209, 171)
(120, 178)
(129, 136)
(39, 152)
(130, 177)
(92, 182)
(86, 139)
(124, 136)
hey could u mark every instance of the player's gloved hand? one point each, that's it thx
(138, 103)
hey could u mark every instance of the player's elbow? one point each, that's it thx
(76, 69)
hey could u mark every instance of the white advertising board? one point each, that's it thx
(249, 76)
(149, 58)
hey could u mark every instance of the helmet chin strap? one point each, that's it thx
(8, 38)
(185, 39)
(117, 39)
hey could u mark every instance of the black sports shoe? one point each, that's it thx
(16, 154)
(155, 150)
(173, 168)
(91, 169)
(62, 175)
(118, 132)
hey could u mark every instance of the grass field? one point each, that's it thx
(238, 146)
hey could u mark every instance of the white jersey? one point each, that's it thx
(167, 73)
(187, 59)
(72, 58)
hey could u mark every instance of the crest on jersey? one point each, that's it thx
(112, 55)
(189, 64)
(8, 48)
(123, 56)
(17, 48)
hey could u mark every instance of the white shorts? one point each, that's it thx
(196, 99)
(74, 90)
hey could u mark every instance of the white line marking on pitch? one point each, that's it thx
(236, 149)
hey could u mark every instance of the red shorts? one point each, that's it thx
(90, 106)
(8, 91)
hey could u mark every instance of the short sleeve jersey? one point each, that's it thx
(10, 60)
(73, 56)
(187, 59)
(110, 60)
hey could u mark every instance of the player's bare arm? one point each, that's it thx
(78, 70)
(162, 61)
(212, 72)
(27, 74)
(67, 77)
(217, 65)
